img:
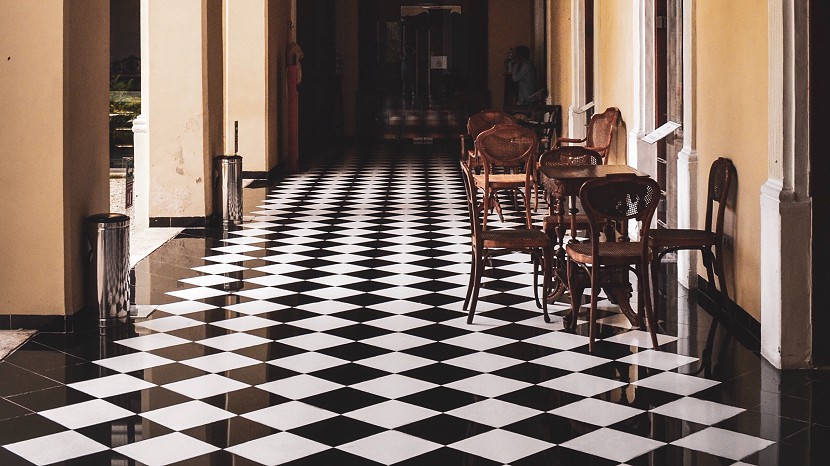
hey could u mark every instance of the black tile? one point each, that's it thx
(343, 400)
(354, 351)
(9, 410)
(229, 432)
(338, 430)
(448, 456)
(124, 431)
(332, 457)
(440, 373)
(27, 427)
(349, 374)
(16, 380)
(50, 398)
(441, 399)
(439, 351)
(444, 429)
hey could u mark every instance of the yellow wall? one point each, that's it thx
(615, 65)
(559, 52)
(510, 23)
(732, 122)
(54, 96)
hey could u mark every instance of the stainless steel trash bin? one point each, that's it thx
(109, 266)
(228, 190)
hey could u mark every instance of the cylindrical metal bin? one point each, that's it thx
(228, 189)
(109, 265)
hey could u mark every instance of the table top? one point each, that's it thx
(564, 180)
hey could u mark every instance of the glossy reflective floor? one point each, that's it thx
(329, 331)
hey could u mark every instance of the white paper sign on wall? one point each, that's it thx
(438, 62)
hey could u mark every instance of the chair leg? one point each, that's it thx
(592, 316)
(709, 262)
(655, 258)
(476, 286)
(576, 299)
(536, 279)
(718, 259)
(645, 296)
(471, 283)
(547, 258)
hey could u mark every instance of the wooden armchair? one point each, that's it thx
(599, 134)
(477, 124)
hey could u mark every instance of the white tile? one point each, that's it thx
(205, 386)
(289, 415)
(398, 323)
(480, 322)
(332, 292)
(397, 341)
(582, 384)
(401, 292)
(265, 292)
(392, 414)
(238, 248)
(85, 414)
(483, 362)
(308, 362)
(571, 361)
(299, 386)
(186, 415)
(218, 269)
(56, 447)
(111, 385)
(596, 412)
(255, 307)
(479, 341)
(272, 280)
(279, 448)
(244, 323)
(252, 232)
(393, 386)
(228, 258)
(315, 341)
(168, 324)
(185, 307)
(245, 240)
(166, 449)
(657, 359)
(389, 447)
(725, 443)
(495, 413)
(279, 269)
(401, 280)
(488, 385)
(399, 306)
(322, 323)
(613, 444)
(699, 411)
(133, 362)
(395, 362)
(208, 280)
(673, 382)
(639, 339)
(344, 268)
(291, 248)
(220, 362)
(336, 280)
(559, 340)
(234, 341)
(501, 446)
(152, 341)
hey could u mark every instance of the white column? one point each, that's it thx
(786, 333)
(687, 169)
(141, 131)
(577, 120)
(642, 155)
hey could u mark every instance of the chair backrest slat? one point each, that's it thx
(722, 173)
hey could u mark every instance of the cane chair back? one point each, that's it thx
(477, 124)
(600, 132)
(508, 153)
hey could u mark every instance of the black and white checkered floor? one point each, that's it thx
(329, 331)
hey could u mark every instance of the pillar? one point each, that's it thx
(54, 103)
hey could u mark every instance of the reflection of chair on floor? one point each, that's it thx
(508, 155)
(599, 133)
(487, 243)
(663, 241)
(610, 201)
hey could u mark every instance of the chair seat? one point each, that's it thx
(515, 239)
(618, 253)
(681, 238)
(501, 180)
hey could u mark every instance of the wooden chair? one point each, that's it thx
(608, 202)
(508, 154)
(663, 241)
(487, 243)
(599, 134)
(477, 124)
(566, 156)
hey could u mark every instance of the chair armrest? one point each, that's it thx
(561, 140)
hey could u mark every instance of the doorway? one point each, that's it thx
(668, 44)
